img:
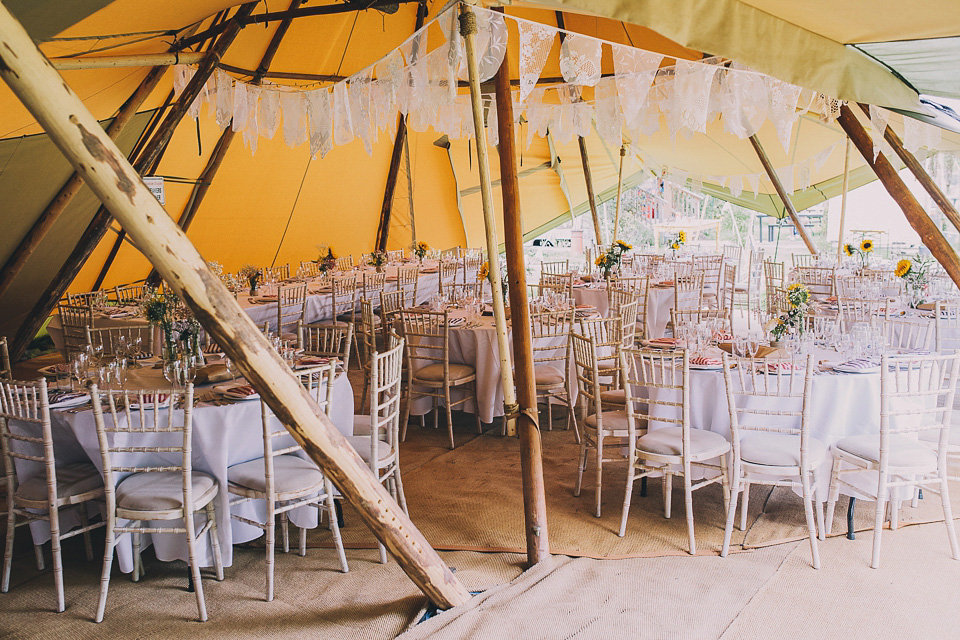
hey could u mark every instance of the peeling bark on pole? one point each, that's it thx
(929, 233)
(784, 196)
(531, 454)
(118, 185)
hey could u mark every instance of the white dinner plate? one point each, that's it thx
(225, 391)
(844, 369)
(70, 401)
(706, 367)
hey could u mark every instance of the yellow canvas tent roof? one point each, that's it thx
(278, 204)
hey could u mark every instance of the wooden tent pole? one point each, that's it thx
(938, 196)
(141, 60)
(71, 187)
(843, 200)
(784, 196)
(928, 231)
(386, 209)
(158, 143)
(616, 217)
(118, 185)
(200, 189)
(585, 160)
(100, 222)
(531, 455)
(468, 29)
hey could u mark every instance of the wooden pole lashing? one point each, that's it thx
(531, 454)
(468, 29)
(784, 196)
(928, 231)
(118, 185)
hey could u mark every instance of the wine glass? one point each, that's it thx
(78, 367)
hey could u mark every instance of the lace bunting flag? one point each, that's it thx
(360, 108)
(607, 112)
(342, 121)
(743, 102)
(635, 71)
(580, 59)
(319, 118)
(269, 116)
(878, 121)
(783, 108)
(536, 40)
(224, 99)
(491, 44)
(251, 132)
(241, 109)
(294, 118)
(918, 134)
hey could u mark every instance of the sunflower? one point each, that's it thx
(903, 268)
(624, 246)
(849, 249)
(675, 245)
(681, 237)
(484, 271)
(600, 261)
(866, 246)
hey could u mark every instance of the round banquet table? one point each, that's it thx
(659, 302)
(223, 435)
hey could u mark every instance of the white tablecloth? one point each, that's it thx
(659, 303)
(222, 436)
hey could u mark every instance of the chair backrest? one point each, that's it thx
(373, 283)
(75, 319)
(461, 291)
(386, 375)
(917, 394)
(471, 266)
(395, 256)
(729, 290)
(345, 263)
(318, 381)
(947, 324)
(754, 272)
(561, 282)
(647, 261)
(640, 287)
(680, 268)
(627, 312)
(451, 254)
(584, 350)
(277, 273)
(663, 377)
(803, 260)
(327, 340)
(853, 310)
(887, 281)
(711, 266)
(343, 295)
(391, 303)
(732, 254)
(427, 336)
(607, 336)
(904, 333)
(688, 291)
(408, 279)
(309, 268)
(696, 316)
(129, 293)
(761, 399)
(773, 273)
(448, 273)
(550, 331)
(618, 296)
(88, 298)
(6, 371)
(291, 306)
(133, 425)
(367, 330)
(557, 267)
(119, 341)
(26, 402)
(819, 280)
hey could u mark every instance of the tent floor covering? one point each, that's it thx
(598, 585)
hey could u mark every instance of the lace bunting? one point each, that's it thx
(536, 40)
(580, 59)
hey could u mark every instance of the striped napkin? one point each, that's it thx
(860, 364)
(706, 361)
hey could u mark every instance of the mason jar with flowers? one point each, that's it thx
(913, 272)
(611, 258)
(326, 261)
(377, 260)
(792, 319)
(420, 250)
(862, 253)
(252, 275)
(676, 243)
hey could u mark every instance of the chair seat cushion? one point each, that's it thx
(548, 375)
(72, 480)
(614, 396)
(362, 445)
(779, 449)
(434, 372)
(669, 442)
(904, 451)
(612, 421)
(291, 474)
(162, 491)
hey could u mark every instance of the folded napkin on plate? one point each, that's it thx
(215, 372)
(705, 360)
(120, 314)
(585, 306)
(311, 361)
(859, 364)
(666, 283)
(663, 342)
(720, 336)
(456, 322)
(240, 390)
(783, 365)
(62, 395)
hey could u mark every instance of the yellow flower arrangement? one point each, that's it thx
(624, 246)
(681, 237)
(866, 246)
(903, 268)
(600, 261)
(849, 249)
(484, 271)
(675, 245)
(420, 249)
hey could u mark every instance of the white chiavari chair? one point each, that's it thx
(732, 254)
(560, 282)
(711, 266)
(916, 396)
(291, 309)
(88, 298)
(819, 280)
(54, 489)
(551, 362)
(688, 292)
(452, 254)
(146, 450)
(116, 341)
(854, 310)
(803, 260)
(947, 341)
(379, 446)
(309, 269)
(366, 332)
(448, 275)
(345, 263)
(770, 435)
(728, 299)
(674, 450)
(129, 294)
(277, 273)
(75, 320)
(557, 267)
(471, 266)
(774, 278)
(905, 334)
(749, 289)
(327, 341)
(285, 480)
(408, 279)
(429, 370)
(395, 255)
(598, 424)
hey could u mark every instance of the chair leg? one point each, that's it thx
(745, 504)
(731, 509)
(948, 516)
(405, 417)
(818, 505)
(8, 549)
(688, 506)
(476, 413)
(667, 494)
(401, 498)
(303, 541)
(894, 507)
(136, 556)
(211, 510)
(833, 493)
(57, 556)
(808, 499)
(599, 473)
(725, 482)
(38, 556)
(85, 522)
(335, 527)
(194, 566)
(363, 396)
(581, 466)
(285, 531)
(549, 414)
(878, 519)
(271, 535)
(107, 566)
(446, 394)
(631, 476)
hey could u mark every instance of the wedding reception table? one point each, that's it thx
(225, 433)
(660, 300)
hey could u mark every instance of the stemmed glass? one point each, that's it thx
(78, 368)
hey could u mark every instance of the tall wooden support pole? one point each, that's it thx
(158, 143)
(531, 455)
(72, 186)
(920, 174)
(784, 196)
(468, 29)
(118, 185)
(843, 200)
(98, 226)
(925, 227)
(386, 209)
(616, 217)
